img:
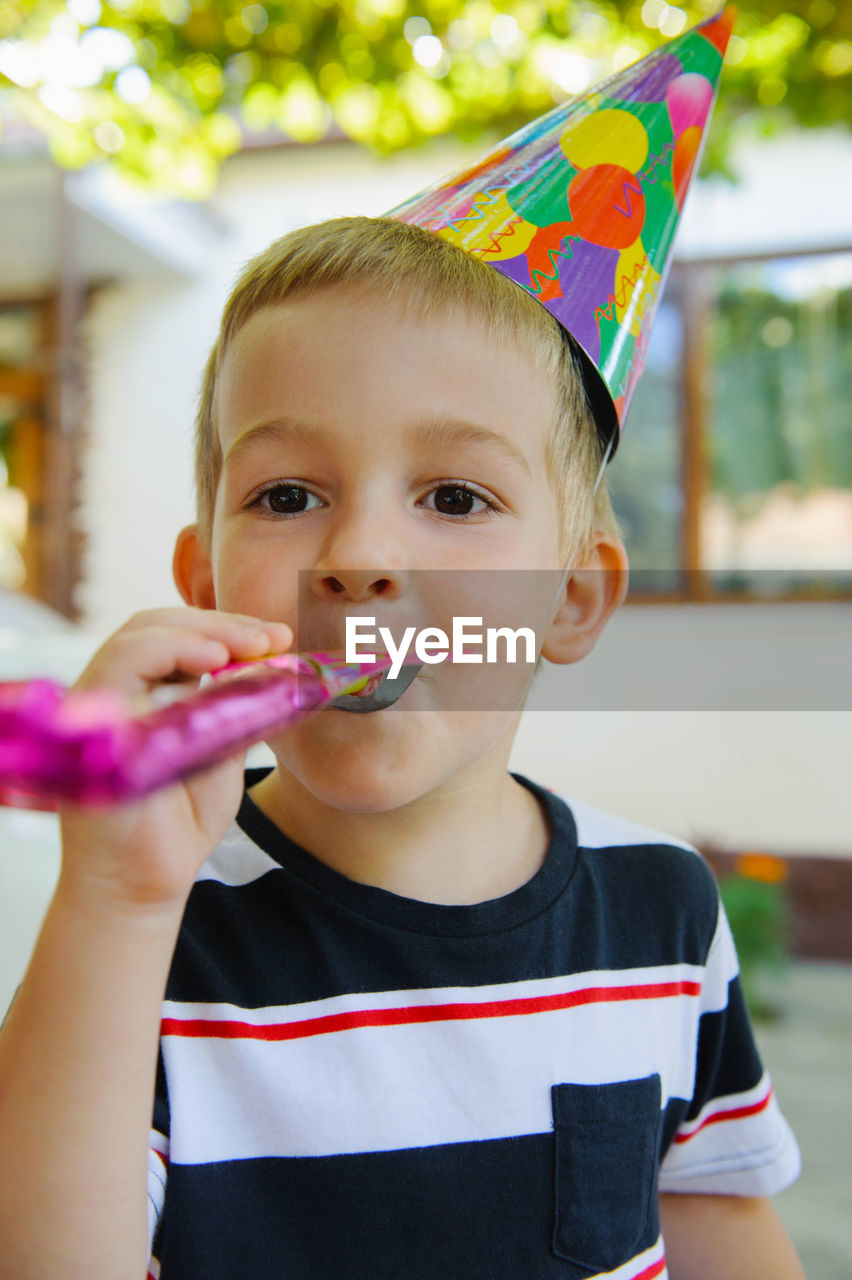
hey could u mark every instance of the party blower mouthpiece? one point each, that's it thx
(90, 748)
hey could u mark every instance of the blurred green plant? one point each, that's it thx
(756, 903)
(165, 89)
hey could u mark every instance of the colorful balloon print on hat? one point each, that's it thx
(581, 206)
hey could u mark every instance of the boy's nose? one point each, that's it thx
(357, 585)
(364, 553)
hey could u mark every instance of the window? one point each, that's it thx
(735, 476)
(39, 550)
(21, 412)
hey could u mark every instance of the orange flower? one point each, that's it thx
(762, 866)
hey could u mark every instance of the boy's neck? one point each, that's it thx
(499, 837)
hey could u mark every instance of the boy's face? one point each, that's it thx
(348, 426)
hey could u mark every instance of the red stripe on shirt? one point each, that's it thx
(354, 1018)
(655, 1269)
(734, 1113)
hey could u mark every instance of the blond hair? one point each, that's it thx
(391, 256)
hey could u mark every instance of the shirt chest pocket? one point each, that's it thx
(607, 1156)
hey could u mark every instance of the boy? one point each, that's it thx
(422, 1019)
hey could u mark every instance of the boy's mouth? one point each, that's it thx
(379, 692)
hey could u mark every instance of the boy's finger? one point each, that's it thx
(231, 628)
(135, 659)
(278, 634)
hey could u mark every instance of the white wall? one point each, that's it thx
(729, 725)
(774, 781)
(791, 191)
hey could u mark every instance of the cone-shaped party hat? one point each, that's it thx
(581, 207)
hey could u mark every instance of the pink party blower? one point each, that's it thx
(90, 748)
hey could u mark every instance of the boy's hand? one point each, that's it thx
(145, 854)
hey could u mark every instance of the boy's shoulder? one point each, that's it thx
(599, 829)
(634, 860)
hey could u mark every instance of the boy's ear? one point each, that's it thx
(192, 569)
(594, 589)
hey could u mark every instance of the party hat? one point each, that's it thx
(581, 207)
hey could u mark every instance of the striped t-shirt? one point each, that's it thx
(355, 1084)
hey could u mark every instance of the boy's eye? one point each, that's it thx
(285, 499)
(457, 500)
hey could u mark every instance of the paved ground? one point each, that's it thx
(809, 1055)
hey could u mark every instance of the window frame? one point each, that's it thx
(693, 299)
(52, 550)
